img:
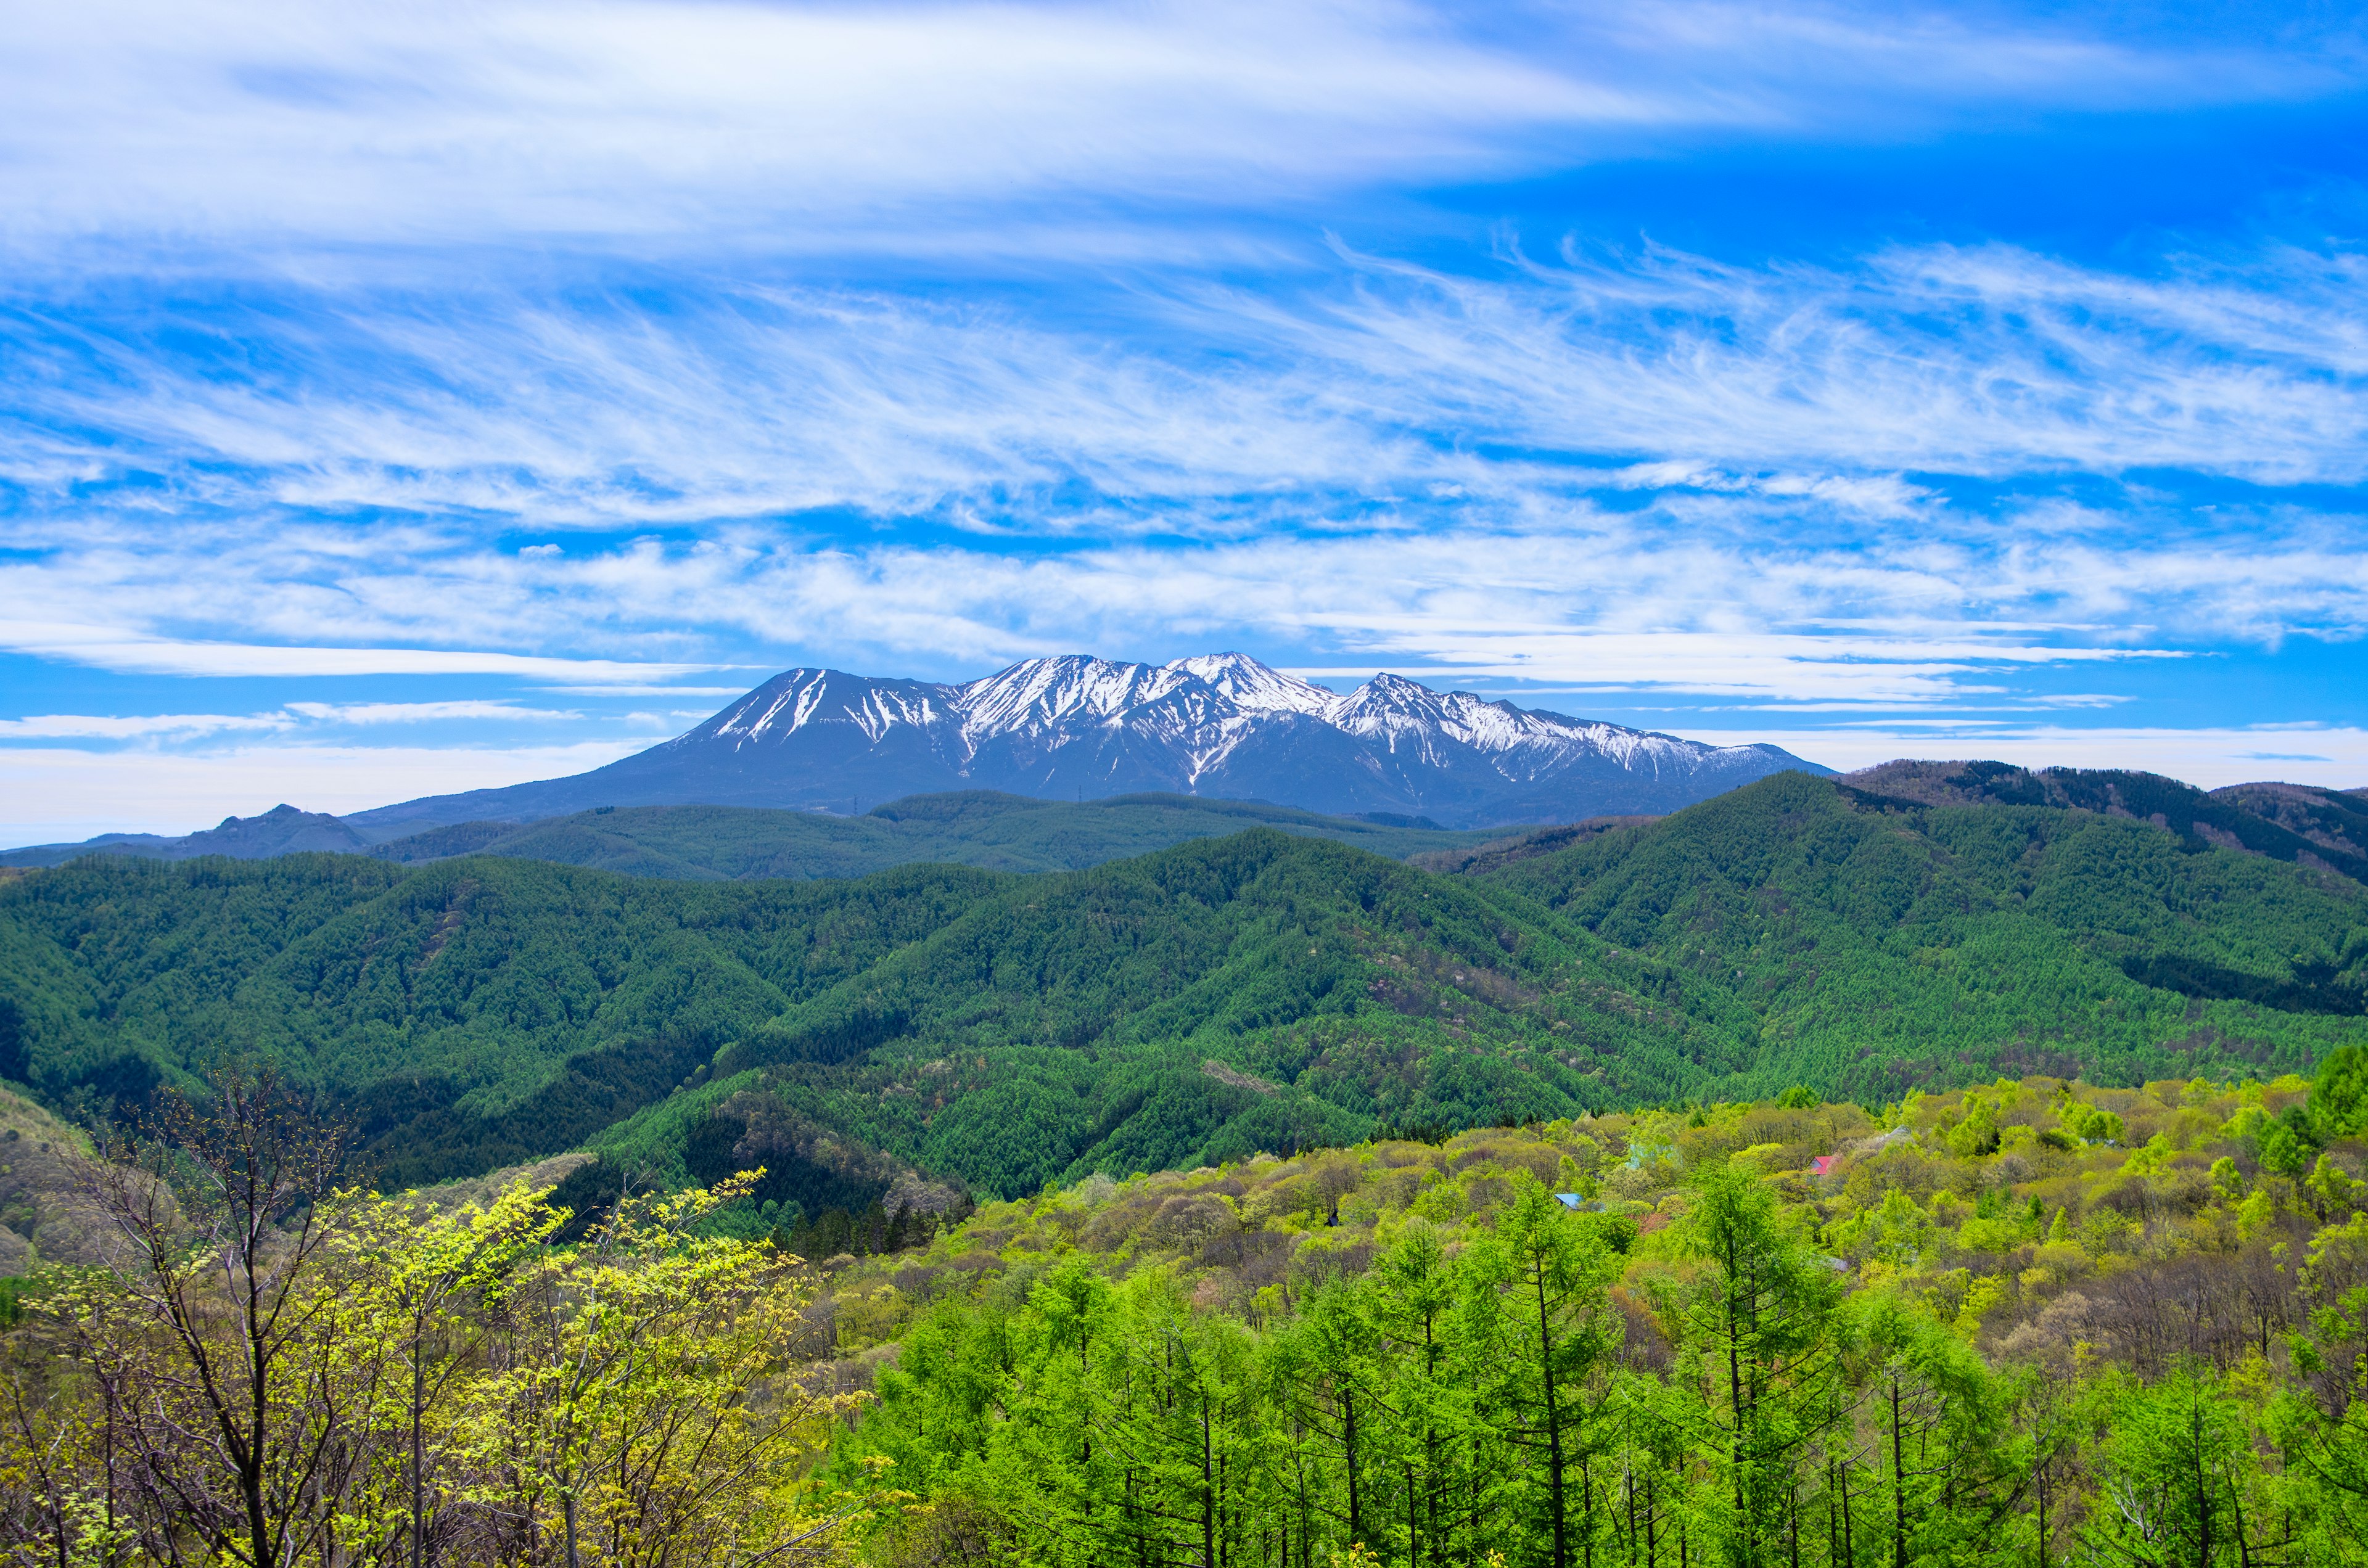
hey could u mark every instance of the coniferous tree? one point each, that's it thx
(1946, 1468)
(1758, 1354)
(2180, 1481)
(1541, 1337)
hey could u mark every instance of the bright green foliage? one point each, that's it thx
(2090, 1124)
(2182, 1481)
(1426, 1408)
(1775, 1333)
(272, 1372)
(1756, 1352)
(1540, 1335)
(2339, 1093)
(1932, 1437)
(2284, 1150)
(2065, 1352)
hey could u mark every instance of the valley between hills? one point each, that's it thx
(1015, 1182)
(1301, 982)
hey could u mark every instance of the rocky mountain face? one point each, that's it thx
(1221, 725)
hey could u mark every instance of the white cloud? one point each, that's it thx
(1987, 360)
(181, 730)
(651, 690)
(1648, 473)
(650, 122)
(129, 650)
(136, 727)
(1770, 561)
(1651, 601)
(1594, 603)
(1780, 393)
(425, 712)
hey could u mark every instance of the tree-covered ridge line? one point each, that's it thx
(1779, 934)
(708, 843)
(1908, 935)
(973, 827)
(2035, 1322)
(2306, 824)
(1256, 990)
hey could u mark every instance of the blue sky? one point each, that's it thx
(404, 398)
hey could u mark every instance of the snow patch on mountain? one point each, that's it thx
(1220, 724)
(1252, 687)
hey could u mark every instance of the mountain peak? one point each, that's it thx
(1034, 693)
(1252, 687)
(1224, 725)
(1389, 700)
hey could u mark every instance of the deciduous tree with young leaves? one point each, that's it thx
(275, 1370)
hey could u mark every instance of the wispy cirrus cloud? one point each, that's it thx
(1793, 387)
(114, 638)
(425, 712)
(136, 727)
(414, 357)
(45, 727)
(1612, 601)
(650, 124)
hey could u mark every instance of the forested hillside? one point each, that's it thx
(976, 827)
(471, 1014)
(1883, 943)
(1258, 991)
(2037, 1322)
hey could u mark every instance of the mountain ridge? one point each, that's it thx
(2300, 823)
(1006, 1030)
(977, 827)
(1220, 725)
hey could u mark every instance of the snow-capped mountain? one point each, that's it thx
(1219, 724)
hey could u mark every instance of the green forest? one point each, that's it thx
(1938, 1167)
(2033, 1322)
(971, 827)
(2036, 1321)
(1258, 991)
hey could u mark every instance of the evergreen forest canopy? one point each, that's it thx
(1256, 992)
(971, 827)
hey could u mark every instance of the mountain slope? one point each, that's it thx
(2332, 823)
(2294, 823)
(977, 827)
(1884, 943)
(1789, 932)
(471, 1013)
(1261, 990)
(1219, 725)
